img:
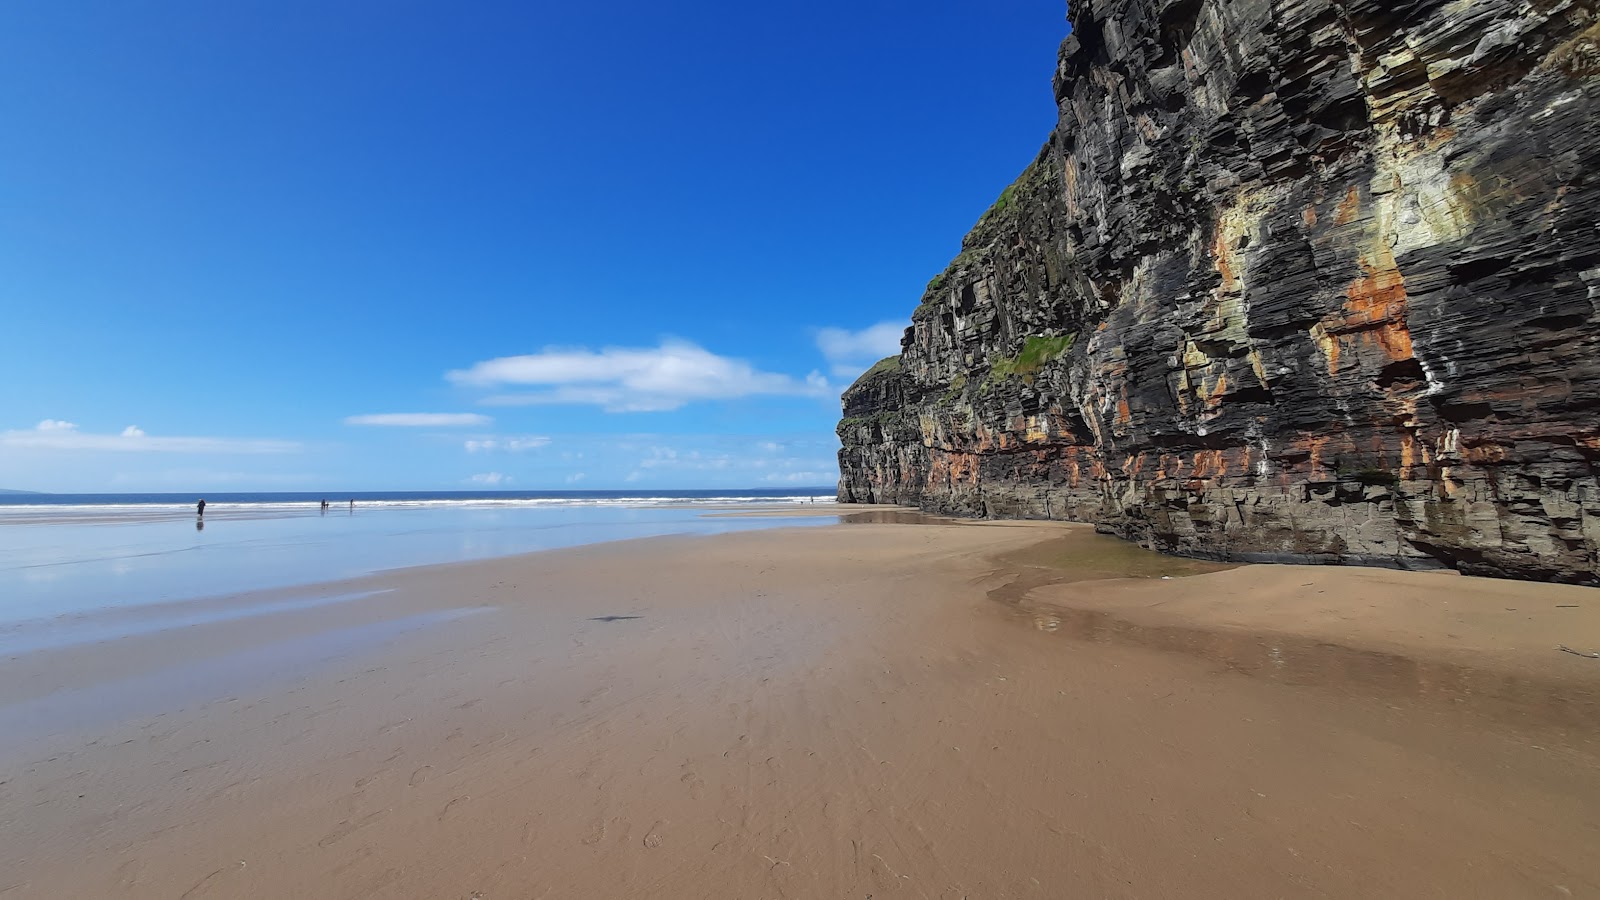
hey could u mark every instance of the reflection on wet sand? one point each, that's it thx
(28, 724)
(1514, 698)
(108, 625)
(1082, 555)
(1291, 660)
(893, 517)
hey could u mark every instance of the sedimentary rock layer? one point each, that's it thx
(1310, 280)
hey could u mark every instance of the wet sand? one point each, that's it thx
(917, 710)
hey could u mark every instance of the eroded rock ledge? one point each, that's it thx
(1295, 280)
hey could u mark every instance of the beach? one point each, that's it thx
(886, 707)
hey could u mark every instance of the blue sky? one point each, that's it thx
(299, 245)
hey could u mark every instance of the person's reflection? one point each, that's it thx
(199, 524)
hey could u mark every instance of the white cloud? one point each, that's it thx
(490, 478)
(420, 420)
(849, 353)
(621, 379)
(742, 463)
(633, 476)
(692, 460)
(187, 479)
(810, 478)
(505, 444)
(576, 477)
(54, 434)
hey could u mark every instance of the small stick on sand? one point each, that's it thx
(1565, 649)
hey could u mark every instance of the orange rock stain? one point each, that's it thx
(1349, 208)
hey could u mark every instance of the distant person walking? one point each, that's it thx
(200, 508)
(352, 505)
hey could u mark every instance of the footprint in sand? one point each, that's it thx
(652, 838)
(232, 787)
(128, 874)
(452, 805)
(349, 827)
(203, 886)
(598, 834)
(371, 777)
(696, 785)
(421, 775)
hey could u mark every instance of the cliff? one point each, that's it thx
(1292, 280)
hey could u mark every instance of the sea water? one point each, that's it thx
(67, 554)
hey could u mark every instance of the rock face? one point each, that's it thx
(1292, 280)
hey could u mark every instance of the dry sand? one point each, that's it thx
(852, 711)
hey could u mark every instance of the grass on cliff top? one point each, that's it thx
(975, 244)
(1005, 199)
(1026, 181)
(1036, 351)
(885, 366)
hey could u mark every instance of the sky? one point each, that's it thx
(419, 245)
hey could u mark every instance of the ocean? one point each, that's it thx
(65, 503)
(64, 556)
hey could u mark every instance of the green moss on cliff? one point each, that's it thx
(1005, 199)
(1036, 351)
(1017, 192)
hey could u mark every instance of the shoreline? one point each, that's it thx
(47, 570)
(812, 711)
(136, 514)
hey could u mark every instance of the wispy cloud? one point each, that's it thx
(810, 478)
(55, 434)
(576, 477)
(489, 479)
(188, 479)
(619, 379)
(693, 460)
(420, 420)
(505, 444)
(730, 461)
(849, 353)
